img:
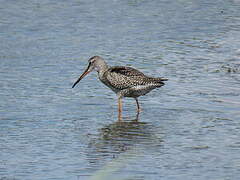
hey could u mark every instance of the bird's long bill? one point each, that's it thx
(88, 70)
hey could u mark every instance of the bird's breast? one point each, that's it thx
(103, 78)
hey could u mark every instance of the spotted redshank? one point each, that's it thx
(124, 81)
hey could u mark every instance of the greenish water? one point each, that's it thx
(189, 128)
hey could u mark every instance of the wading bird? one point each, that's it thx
(124, 81)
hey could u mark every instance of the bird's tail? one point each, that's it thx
(160, 81)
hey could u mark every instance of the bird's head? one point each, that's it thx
(94, 63)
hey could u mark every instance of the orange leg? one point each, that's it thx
(119, 109)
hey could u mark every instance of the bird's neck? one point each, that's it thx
(102, 69)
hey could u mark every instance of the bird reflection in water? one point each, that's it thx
(121, 136)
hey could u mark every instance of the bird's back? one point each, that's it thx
(120, 78)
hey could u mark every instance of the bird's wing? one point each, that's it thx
(126, 71)
(121, 77)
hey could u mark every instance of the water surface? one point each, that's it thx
(189, 128)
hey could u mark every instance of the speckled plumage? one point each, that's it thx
(124, 81)
(129, 82)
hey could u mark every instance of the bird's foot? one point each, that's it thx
(139, 110)
(119, 116)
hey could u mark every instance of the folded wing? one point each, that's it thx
(121, 77)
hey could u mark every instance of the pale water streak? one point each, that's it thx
(189, 128)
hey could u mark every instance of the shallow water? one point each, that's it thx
(189, 128)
